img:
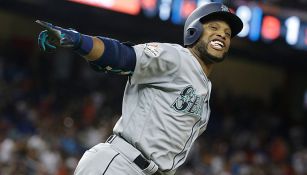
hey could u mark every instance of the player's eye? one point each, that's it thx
(213, 28)
(228, 34)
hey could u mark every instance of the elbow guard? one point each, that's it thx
(117, 58)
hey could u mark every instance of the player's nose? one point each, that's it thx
(222, 35)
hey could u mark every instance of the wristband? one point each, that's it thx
(85, 45)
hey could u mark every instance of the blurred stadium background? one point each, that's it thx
(53, 106)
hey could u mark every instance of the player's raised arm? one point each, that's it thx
(103, 54)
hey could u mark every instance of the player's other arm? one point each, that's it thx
(103, 54)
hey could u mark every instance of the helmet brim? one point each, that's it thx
(234, 22)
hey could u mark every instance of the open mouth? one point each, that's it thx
(217, 44)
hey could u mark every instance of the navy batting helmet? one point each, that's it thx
(193, 27)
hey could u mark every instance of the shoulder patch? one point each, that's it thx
(153, 49)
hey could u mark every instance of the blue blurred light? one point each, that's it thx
(255, 25)
(165, 9)
(176, 15)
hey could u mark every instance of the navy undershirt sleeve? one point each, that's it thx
(117, 58)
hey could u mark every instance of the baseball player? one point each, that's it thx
(166, 100)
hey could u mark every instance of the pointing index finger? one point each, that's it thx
(48, 26)
(44, 24)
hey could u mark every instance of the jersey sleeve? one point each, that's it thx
(155, 63)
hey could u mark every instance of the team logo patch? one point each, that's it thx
(189, 102)
(153, 49)
(224, 8)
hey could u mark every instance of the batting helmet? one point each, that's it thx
(193, 27)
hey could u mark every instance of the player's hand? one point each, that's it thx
(55, 36)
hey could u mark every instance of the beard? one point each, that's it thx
(202, 49)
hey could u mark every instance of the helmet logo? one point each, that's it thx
(224, 8)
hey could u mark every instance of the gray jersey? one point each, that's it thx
(165, 105)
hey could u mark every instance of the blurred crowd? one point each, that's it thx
(53, 107)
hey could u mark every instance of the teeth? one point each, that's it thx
(216, 42)
(217, 46)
